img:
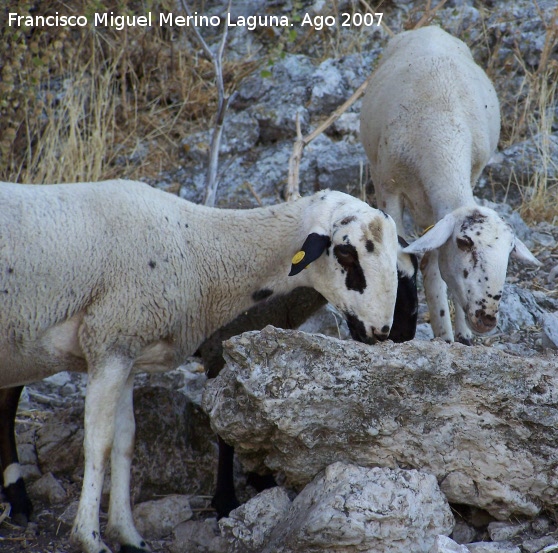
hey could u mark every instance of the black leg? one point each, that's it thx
(14, 487)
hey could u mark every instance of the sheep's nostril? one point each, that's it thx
(381, 335)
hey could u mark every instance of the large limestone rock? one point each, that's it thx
(482, 421)
(347, 509)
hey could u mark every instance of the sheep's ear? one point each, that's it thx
(314, 245)
(521, 252)
(434, 237)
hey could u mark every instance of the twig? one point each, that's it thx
(428, 15)
(211, 181)
(292, 190)
(5, 507)
(384, 25)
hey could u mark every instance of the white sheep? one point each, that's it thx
(429, 123)
(117, 277)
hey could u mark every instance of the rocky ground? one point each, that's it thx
(175, 451)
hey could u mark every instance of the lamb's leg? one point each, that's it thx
(435, 290)
(225, 500)
(463, 333)
(14, 486)
(104, 393)
(120, 521)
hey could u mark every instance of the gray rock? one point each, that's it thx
(481, 420)
(502, 530)
(518, 309)
(248, 528)
(349, 508)
(493, 547)
(538, 545)
(463, 532)
(550, 330)
(198, 536)
(443, 544)
(48, 489)
(158, 518)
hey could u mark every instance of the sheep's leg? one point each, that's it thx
(14, 486)
(104, 392)
(225, 500)
(463, 333)
(435, 290)
(120, 521)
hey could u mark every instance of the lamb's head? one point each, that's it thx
(474, 245)
(354, 251)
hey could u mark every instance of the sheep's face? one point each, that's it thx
(474, 246)
(473, 263)
(357, 271)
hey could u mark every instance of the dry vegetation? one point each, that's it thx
(92, 103)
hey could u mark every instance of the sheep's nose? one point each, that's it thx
(381, 334)
(486, 320)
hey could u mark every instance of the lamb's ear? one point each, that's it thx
(314, 245)
(521, 252)
(434, 237)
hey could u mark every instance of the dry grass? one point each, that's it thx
(118, 106)
(122, 105)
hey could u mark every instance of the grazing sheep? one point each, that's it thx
(287, 311)
(117, 277)
(429, 124)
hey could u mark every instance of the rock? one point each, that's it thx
(175, 450)
(157, 519)
(518, 309)
(59, 442)
(493, 547)
(349, 508)
(550, 330)
(482, 421)
(538, 545)
(502, 531)
(48, 489)
(463, 533)
(443, 544)
(247, 528)
(198, 536)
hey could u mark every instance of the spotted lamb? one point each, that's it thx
(429, 123)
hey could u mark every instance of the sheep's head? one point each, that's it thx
(354, 251)
(474, 245)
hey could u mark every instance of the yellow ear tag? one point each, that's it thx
(298, 257)
(426, 230)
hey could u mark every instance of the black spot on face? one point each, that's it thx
(152, 264)
(442, 313)
(10, 270)
(465, 273)
(497, 297)
(260, 295)
(465, 243)
(347, 256)
(369, 246)
(357, 329)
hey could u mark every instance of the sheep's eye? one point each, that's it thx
(465, 243)
(346, 254)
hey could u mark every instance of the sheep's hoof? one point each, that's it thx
(465, 341)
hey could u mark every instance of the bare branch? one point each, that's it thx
(211, 181)
(292, 190)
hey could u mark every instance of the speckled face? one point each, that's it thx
(473, 262)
